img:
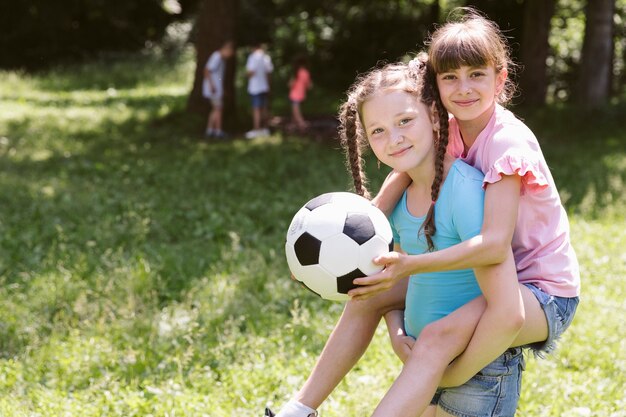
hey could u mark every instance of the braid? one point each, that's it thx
(430, 93)
(348, 132)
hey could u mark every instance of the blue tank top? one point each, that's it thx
(458, 217)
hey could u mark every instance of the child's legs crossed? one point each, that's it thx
(348, 341)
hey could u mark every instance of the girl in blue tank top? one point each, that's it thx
(458, 217)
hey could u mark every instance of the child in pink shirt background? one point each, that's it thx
(298, 86)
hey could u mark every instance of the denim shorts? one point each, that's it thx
(559, 315)
(217, 101)
(492, 392)
(258, 100)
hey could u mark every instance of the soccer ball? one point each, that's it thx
(333, 239)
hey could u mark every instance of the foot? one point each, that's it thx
(252, 134)
(292, 409)
(220, 135)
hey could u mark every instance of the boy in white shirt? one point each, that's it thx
(213, 88)
(258, 68)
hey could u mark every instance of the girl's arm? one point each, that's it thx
(391, 191)
(498, 326)
(400, 342)
(490, 247)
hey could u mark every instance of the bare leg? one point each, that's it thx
(348, 342)
(297, 116)
(535, 327)
(439, 343)
(256, 118)
(217, 121)
(442, 413)
(431, 411)
(211, 120)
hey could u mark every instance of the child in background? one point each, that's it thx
(258, 69)
(522, 210)
(213, 88)
(299, 83)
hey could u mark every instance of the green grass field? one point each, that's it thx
(142, 269)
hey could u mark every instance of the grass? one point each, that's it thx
(142, 270)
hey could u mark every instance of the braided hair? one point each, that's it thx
(416, 77)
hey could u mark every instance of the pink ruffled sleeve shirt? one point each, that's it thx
(541, 242)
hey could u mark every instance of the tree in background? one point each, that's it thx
(216, 22)
(341, 37)
(40, 33)
(535, 49)
(594, 83)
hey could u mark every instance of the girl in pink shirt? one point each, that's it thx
(522, 211)
(298, 86)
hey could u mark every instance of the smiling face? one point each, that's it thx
(399, 128)
(469, 93)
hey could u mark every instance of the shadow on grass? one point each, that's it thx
(147, 195)
(117, 70)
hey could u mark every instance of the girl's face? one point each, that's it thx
(399, 128)
(469, 93)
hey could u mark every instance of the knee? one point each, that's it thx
(367, 307)
(439, 339)
(437, 332)
(378, 306)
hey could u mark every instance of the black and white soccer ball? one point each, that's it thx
(333, 239)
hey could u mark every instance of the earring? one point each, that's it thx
(378, 163)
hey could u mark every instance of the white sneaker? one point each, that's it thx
(252, 134)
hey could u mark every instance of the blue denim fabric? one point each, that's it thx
(492, 392)
(258, 100)
(559, 312)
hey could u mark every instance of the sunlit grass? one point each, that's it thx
(142, 269)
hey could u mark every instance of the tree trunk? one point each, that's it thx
(435, 12)
(596, 61)
(215, 24)
(534, 50)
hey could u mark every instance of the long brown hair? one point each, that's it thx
(418, 78)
